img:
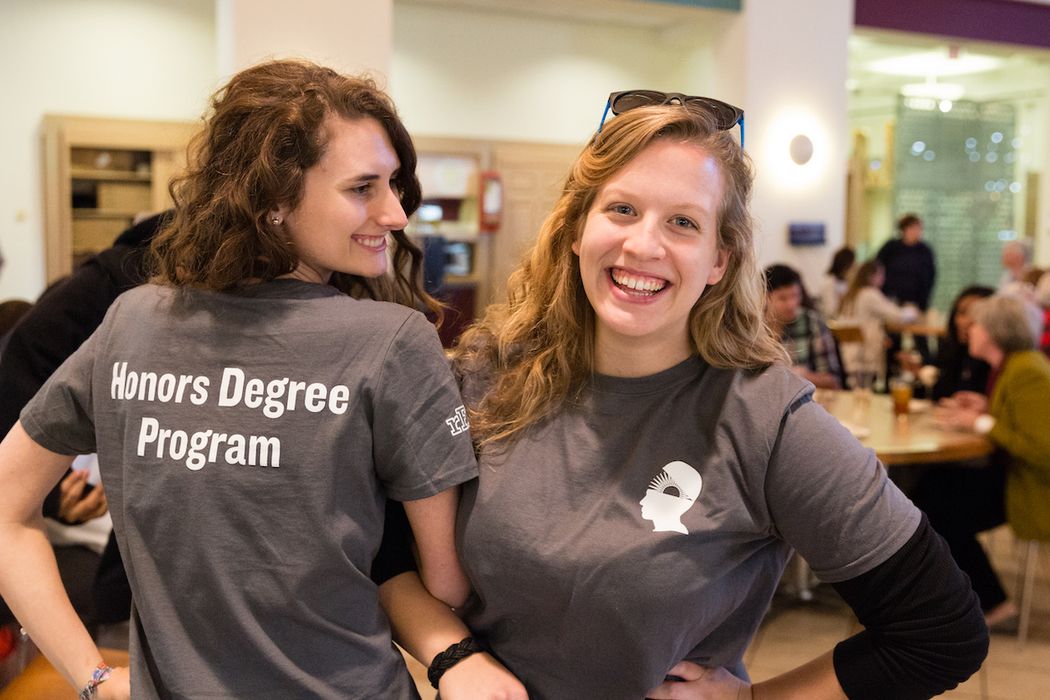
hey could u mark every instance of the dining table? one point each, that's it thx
(904, 443)
(912, 438)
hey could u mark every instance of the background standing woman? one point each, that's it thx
(250, 416)
(647, 460)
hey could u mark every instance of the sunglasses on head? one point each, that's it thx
(726, 115)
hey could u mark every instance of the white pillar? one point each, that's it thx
(1042, 165)
(352, 37)
(785, 60)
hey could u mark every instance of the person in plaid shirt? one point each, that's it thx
(801, 329)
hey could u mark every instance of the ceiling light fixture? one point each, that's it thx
(932, 88)
(939, 63)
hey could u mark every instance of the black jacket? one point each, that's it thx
(910, 272)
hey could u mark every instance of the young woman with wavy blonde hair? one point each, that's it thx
(648, 460)
(542, 338)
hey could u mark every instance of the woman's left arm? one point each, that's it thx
(924, 633)
(433, 523)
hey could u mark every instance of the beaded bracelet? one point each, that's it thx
(450, 657)
(98, 676)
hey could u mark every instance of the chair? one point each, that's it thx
(846, 332)
(849, 340)
(1026, 586)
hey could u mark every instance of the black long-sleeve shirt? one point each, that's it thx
(924, 630)
(910, 272)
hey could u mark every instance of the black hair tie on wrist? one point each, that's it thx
(450, 657)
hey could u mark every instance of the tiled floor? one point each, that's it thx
(795, 632)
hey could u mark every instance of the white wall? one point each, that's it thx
(470, 73)
(146, 59)
(794, 77)
(348, 36)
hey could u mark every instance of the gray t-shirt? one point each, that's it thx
(247, 442)
(651, 522)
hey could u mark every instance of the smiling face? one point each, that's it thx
(348, 205)
(784, 303)
(649, 249)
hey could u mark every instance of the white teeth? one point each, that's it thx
(649, 285)
(371, 241)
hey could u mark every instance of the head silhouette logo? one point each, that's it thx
(670, 494)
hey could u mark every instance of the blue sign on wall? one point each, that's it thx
(806, 233)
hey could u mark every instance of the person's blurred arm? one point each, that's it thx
(29, 578)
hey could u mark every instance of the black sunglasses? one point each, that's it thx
(726, 115)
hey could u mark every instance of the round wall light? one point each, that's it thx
(801, 149)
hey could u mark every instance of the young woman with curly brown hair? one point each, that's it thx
(252, 409)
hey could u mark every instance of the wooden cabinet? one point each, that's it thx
(99, 175)
(449, 172)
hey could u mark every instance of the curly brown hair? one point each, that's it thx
(265, 129)
(538, 347)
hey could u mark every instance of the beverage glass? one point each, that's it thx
(901, 391)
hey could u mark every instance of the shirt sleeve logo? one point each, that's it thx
(671, 493)
(458, 423)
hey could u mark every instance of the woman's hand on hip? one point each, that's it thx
(117, 686)
(701, 683)
(480, 677)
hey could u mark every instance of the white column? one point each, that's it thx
(1042, 227)
(785, 60)
(352, 37)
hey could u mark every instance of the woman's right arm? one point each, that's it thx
(425, 627)
(29, 579)
(888, 312)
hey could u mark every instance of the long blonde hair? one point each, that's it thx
(538, 347)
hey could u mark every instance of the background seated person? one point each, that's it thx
(1015, 488)
(836, 281)
(866, 305)
(801, 329)
(955, 369)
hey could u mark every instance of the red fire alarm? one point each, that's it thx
(491, 213)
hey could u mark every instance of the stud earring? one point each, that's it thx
(275, 220)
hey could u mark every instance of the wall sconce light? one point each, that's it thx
(801, 149)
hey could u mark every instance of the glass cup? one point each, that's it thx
(901, 391)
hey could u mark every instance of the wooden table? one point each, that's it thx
(911, 439)
(918, 328)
